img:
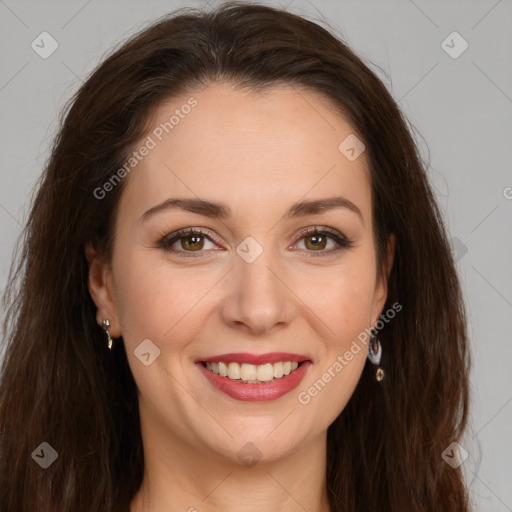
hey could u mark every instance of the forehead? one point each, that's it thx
(254, 150)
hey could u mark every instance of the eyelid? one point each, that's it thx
(340, 239)
(167, 239)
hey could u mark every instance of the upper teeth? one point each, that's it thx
(253, 373)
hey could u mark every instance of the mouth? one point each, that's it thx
(252, 374)
(254, 382)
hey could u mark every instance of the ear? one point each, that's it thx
(381, 286)
(100, 285)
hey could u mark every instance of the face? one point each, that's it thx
(257, 280)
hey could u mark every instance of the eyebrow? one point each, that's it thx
(221, 210)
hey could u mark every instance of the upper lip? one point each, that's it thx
(255, 359)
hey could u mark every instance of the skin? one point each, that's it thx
(259, 153)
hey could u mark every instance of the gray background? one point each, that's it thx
(461, 108)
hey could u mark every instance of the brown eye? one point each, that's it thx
(186, 242)
(318, 242)
(192, 242)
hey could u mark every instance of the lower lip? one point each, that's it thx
(256, 392)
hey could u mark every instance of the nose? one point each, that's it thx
(258, 299)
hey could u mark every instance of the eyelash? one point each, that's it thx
(168, 239)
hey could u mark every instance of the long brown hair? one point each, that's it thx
(61, 385)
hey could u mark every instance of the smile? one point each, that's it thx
(254, 382)
(250, 373)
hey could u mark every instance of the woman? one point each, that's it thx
(235, 289)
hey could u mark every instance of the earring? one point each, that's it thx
(105, 324)
(375, 354)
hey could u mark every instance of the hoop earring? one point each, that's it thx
(105, 324)
(375, 354)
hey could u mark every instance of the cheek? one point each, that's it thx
(346, 310)
(155, 301)
(343, 300)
